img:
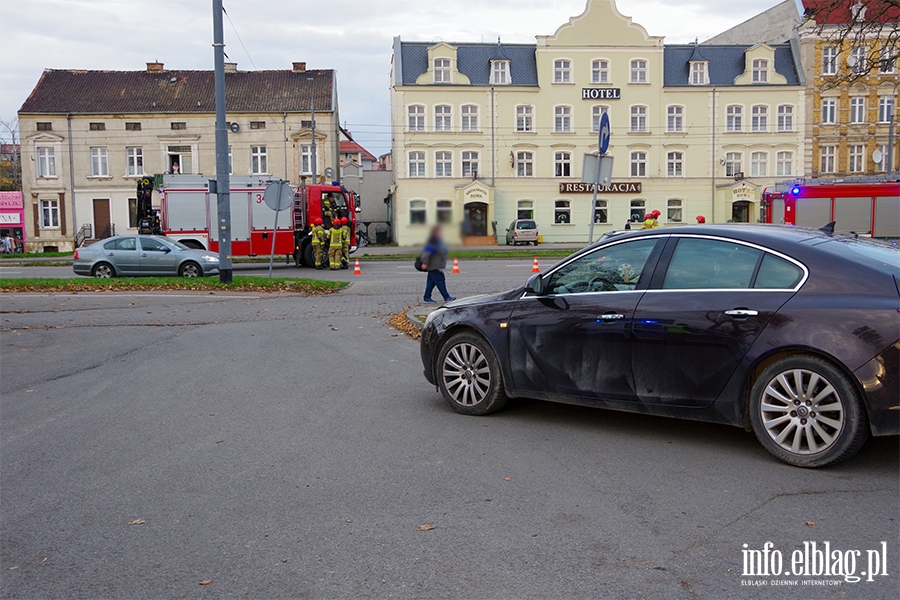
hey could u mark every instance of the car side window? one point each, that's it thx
(699, 263)
(126, 244)
(110, 245)
(616, 268)
(777, 274)
(151, 245)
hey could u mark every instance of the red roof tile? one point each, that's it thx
(355, 147)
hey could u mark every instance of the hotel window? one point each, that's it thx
(601, 212)
(524, 118)
(562, 71)
(698, 73)
(525, 209)
(259, 160)
(442, 70)
(417, 164)
(881, 165)
(734, 118)
(46, 162)
(675, 119)
(99, 162)
(760, 70)
(785, 117)
(469, 164)
(859, 59)
(416, 118)
(469, 117)
(638, 164)
(562, 212)
(563, 162)
(442, 118)
(563, 120)
(733, 162)
(857, 158)
(524, 164)
(758, 164)
(134, 161)
(639, 71)
(600, 71)
(674, 213)
(444, 212)
(885, 109)
(443, 164)
(49, 213)
(829, 110)
(638, 211)
(858, 109)
(417, 212)
(759, 118)
(826, 159)
(596, 113)
(829, 60)
(675, 164)
(500, 72)
(784, 162)
(638, 119)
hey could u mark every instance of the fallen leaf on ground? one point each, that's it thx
(46, 558)
(137, 522)
(220, 441)
(507, 478)
(810, 523)
(206, 582)
(425, 527)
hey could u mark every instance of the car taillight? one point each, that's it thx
(76, 254)
(515, 234)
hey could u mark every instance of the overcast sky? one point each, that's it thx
(352, 37)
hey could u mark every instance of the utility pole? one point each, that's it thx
(223, 183)
(890, 148)
(312, 113)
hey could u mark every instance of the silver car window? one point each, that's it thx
(151, 245)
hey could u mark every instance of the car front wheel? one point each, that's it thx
(468, 375)
(807, 412)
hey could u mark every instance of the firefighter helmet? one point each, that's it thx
(344, 220)
(319, 221)
(701, 219)
(655, 213)
(336, 222)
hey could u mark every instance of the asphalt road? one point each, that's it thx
(288, 447)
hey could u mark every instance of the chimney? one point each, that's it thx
(299, 67)
(230, 67)
(154, 67)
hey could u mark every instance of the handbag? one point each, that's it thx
(420, 265)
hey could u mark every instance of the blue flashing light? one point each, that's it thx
(795, 190)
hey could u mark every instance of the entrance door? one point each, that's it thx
(476, 219)
(101, 218)
(740, 211)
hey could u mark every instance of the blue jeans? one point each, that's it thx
(436, 279)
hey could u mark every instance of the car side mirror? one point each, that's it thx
(166, 250)
(535, 284)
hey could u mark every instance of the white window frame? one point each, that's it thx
(675, 163)
(638, 69)
(885, 108)
(562, 212)
(857, 158)
(857, 109)
(601, 211)
(784, 163)
(638, 163)
(415, 117)
(638, 121)
(759, 164)
(525, 205)
(500, 73)
(830, 60)
(524, 163)
(562, 163)
(760, 68)
(881, 166)
(734, 118)
(469, 163)
(675, 118)
(443, 164)
(829, 110)
(469, 117)
(442, 73)
(888, 59)
(418, 207)
(259, 160)
(600, 70)
(828, 158)
(597, 111)
(99, 162)
(524, 118)
(860, 53)
(759, 118)
(306, 160)
(444, 212)
(674, 210)
(134, 161)
(443, 120)
(417, 160)
(562, 71)
(638, 204)
(50, 214)
(562, 119)
(786, 117)
(698, 74)
(46, 162)
(734, 163)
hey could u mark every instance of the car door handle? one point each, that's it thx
(742, 312)
(144, 255)
(610, 317)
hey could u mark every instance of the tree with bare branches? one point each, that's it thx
(10, 156)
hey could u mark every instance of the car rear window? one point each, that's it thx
(876, 255)
(777, 274)
(527, 225)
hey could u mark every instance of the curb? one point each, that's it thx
(420, 311)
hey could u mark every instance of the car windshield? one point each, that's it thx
(877, 255)
(179, 245)
(527, 225)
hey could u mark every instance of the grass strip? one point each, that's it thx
(477, 255)
(35, 255)
(166, 284)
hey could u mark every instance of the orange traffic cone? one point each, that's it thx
(535, 268)
(456, 266)
(356, 269)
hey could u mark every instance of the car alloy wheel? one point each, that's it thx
(469, 375)
(191, 270)
(807, 412)
(103, 271)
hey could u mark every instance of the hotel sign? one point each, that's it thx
(577, 187)
(601, 94)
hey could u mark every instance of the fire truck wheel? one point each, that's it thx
(308, 257)
(190, 269)
(103, 271)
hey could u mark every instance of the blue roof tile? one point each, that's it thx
(725, 64)
(473, 61)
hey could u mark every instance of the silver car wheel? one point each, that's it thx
(802, 411)
(190, 270)
(103, 271)
(466, 374)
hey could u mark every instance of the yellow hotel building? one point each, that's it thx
(487, 133)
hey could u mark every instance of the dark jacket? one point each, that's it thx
(435, 254)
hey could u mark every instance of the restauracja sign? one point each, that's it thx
(577, 187)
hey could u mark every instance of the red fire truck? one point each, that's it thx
(186, 212)
(870, 208)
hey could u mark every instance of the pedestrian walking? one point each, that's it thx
(628, 224)
(434, 258)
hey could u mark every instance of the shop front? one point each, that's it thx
(12, 222)
(477, 227)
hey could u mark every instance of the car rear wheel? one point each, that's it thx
(535, 242)
(807, 412)
(103, 271)
(190, 269)
(469, 376)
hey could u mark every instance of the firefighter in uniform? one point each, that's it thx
(334, 246)
(652, 220)
(318, 242)
(345, 243)
(327, 208)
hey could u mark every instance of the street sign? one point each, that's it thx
(597, 170)
(279, 195)
(604, 133)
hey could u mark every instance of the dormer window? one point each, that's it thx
(760, 70)
(442, 70)
(500, 72)
(699, 73)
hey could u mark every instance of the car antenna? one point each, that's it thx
(829, 229)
